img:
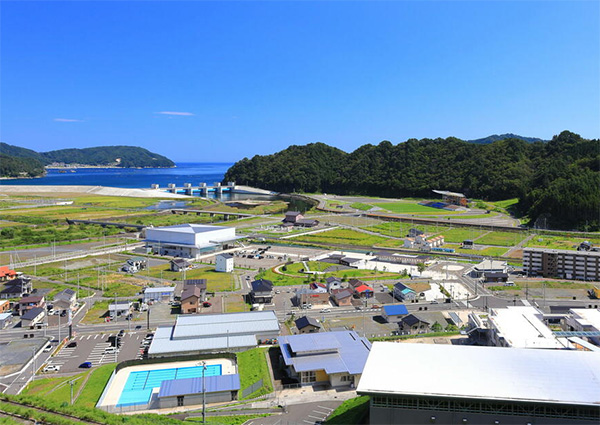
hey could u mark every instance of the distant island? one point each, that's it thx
(557, 181)
(18, 162)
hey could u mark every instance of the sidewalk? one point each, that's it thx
(303, 395)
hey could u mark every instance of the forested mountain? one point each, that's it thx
(558, 180)
(11, 166)
(120, 156)
(496, 137)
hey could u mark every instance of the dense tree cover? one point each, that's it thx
(11, 166)
(121, 156)
(496, 137)
(557, 180)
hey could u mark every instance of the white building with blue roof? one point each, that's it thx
(334, 359)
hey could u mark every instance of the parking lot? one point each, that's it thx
(96, 349)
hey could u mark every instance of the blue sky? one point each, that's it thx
(217, 81)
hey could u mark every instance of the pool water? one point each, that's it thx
(139, 385)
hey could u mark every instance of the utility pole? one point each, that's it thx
(203, 393)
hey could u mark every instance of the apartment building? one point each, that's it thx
(562, 263)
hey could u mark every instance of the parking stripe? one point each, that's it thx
(321, 413)
(326, 408)
(319, 418)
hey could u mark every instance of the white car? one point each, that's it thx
(52, 368)
(111, 350)
(326, 310)
(48, 348)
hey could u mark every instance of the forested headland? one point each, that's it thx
(115, 156)
(558, 180)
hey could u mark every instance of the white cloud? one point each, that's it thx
(183, 114)
(66, 120)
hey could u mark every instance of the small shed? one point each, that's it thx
(394, 313)
(5, 320)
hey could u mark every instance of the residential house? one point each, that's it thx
(307, 325)
(394, 313)
(32, 301)
(159, 293)
(262, 291)
(333, 283)
(403, 292)
(16, 288)
(179, 265)
(200, 283)
(191, 299)
(224, 263)
(342, 297)
(414, 324)
(363, 291)
(315, 293)
(32, 317)
(7, 274)
(120, 308)
(292, 217)
(65, 300)
(5, 320)
(334, 359)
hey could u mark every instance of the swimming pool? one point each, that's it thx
(139, 385)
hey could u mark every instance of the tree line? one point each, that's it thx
(557, 181)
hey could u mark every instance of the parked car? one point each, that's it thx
(326, 310)
(51, 368)
(206, 304)
(48, 348)
(86, 365)
(72, 344)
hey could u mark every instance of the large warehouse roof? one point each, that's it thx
(211, 332)
(490, 373)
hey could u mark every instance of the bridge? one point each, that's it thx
(202, 188)
(107, 224)
(211, 213)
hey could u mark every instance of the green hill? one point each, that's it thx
(558, 180)
(11, 166)
(119, 156)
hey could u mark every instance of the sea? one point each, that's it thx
(142, 178)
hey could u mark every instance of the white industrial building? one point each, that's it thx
(455, 384)
(188, 240)
(159, 293)
(224, 263)
(214, 333)
(584, 320)
(519, 326)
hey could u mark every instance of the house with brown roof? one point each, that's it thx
(32, 301)
(342, 297)
(191, 299)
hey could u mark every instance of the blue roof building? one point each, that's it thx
(331, 358)
(187, 392)
(391, 312)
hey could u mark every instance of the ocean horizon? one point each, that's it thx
(132, 178)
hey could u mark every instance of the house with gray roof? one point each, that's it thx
(333, 359)
(32, 317)
(306, 325)
(262, 291)
(65, 300)
(414, 324)
(403, 292)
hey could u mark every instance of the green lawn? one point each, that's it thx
(342, 236)
(506, 203)
(361, 206)
(95, 385)
(400, 230)
(56, 288)
(353, 411)
(493, 251)
(568, 241)
(96, 313)
(502, 238)
(235, 304)
(411, 208)
(252, 366)
(215, 281)
(227, 420)
(459, 235)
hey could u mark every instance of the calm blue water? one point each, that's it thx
(189, 172)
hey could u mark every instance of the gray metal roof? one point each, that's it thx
(175, 387)
(32, 313)
(484, 373)
(159, 289)
(350, 357)
(214, 343)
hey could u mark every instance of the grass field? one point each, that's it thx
(57, 287)
(226, 420)
(361, 206)
(458, 235)
(353, 411)
(215, 281)
(568, 241)
(342, 236)
(493, 251)
(94, 386)
(235, 304)
(253, 366)
(501, 238)
(411, 208)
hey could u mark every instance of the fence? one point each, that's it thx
(252, 388)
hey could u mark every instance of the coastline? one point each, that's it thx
(82, 166)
